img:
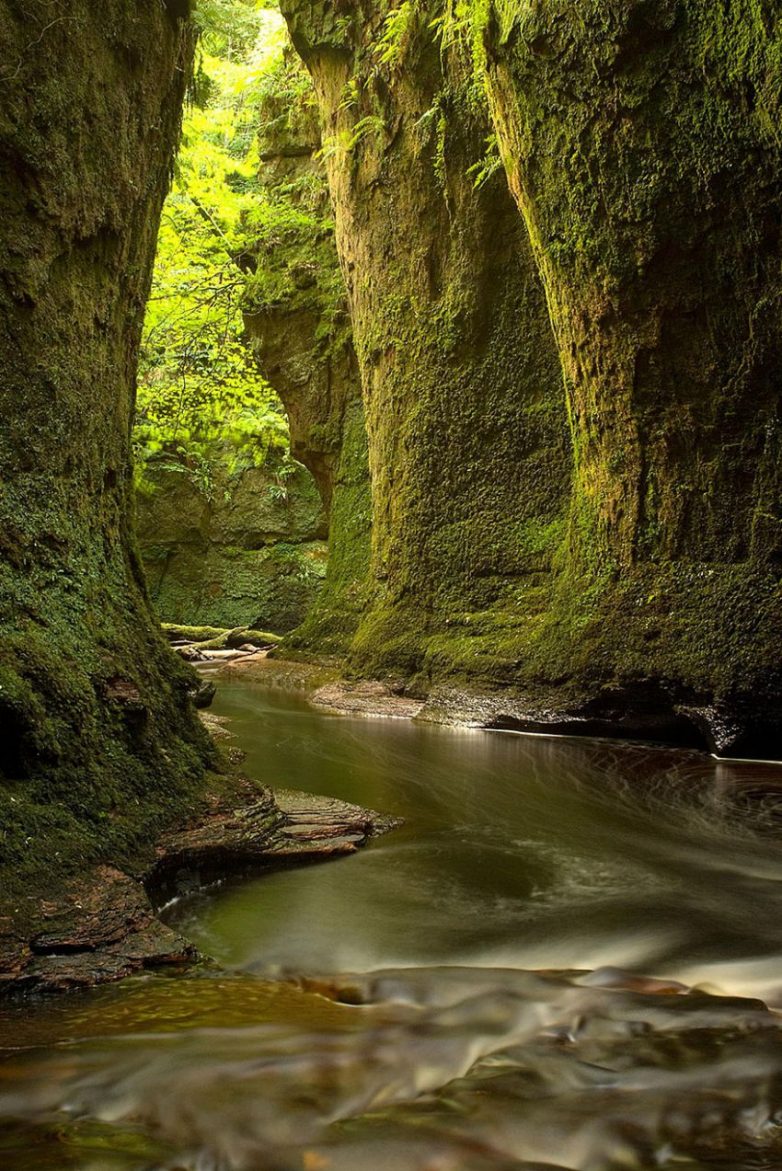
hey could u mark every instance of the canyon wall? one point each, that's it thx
(572, 396)
(642, 146)
(98, 740)
(461, 383)
(250, 552)
(297, 320)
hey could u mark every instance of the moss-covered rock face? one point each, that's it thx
(98, 742)
(330, 625)
(462, 387)
(642, 143)
(296, 315)
(252, 553)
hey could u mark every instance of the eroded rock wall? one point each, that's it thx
(461, 382)
(98, 741)
(642, 145)
(250, 553)
(640, 142)
(296, 315)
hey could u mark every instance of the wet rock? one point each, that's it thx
(368, 697)
(216, 726)
(189, 653)
(254, 640)
(204, 693)
(104, 925)
(100, 928)
(272, 828)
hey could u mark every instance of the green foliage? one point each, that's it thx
(454, 25)
(390, 47)
(433, 124)
(291, 223)
(229, 28)
(489, 165)
(347, 140)
(201, 400)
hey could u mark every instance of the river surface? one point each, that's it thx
(570, 956)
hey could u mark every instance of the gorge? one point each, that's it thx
(546, 433)
(472, 395)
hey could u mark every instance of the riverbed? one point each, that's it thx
(568, 956)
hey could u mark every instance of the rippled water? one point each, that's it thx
(569, 956)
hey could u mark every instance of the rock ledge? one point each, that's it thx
(104, 926)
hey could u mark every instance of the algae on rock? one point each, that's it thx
(98, 740)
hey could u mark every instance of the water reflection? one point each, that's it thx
(498, 1012)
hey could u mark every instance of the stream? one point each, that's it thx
(569, 956)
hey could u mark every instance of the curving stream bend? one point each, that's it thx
(570, 956)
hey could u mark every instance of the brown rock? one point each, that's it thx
(104, 926)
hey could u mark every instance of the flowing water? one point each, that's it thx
(570, 956)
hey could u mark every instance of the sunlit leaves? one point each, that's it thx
(201, 398)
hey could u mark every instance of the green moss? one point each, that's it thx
(331, 622)
(99, 745)
(462, 388)
(566, 540)
(638, 145)
(175, 633)
(296, 315)
(250, 554)
(214, 638)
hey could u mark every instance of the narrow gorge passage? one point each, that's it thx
(414, 359)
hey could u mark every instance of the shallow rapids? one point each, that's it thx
(568, 957)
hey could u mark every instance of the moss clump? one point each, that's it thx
(176, 633)
(212, 638)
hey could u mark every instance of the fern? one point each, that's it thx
(488, 166)
(391, 45)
